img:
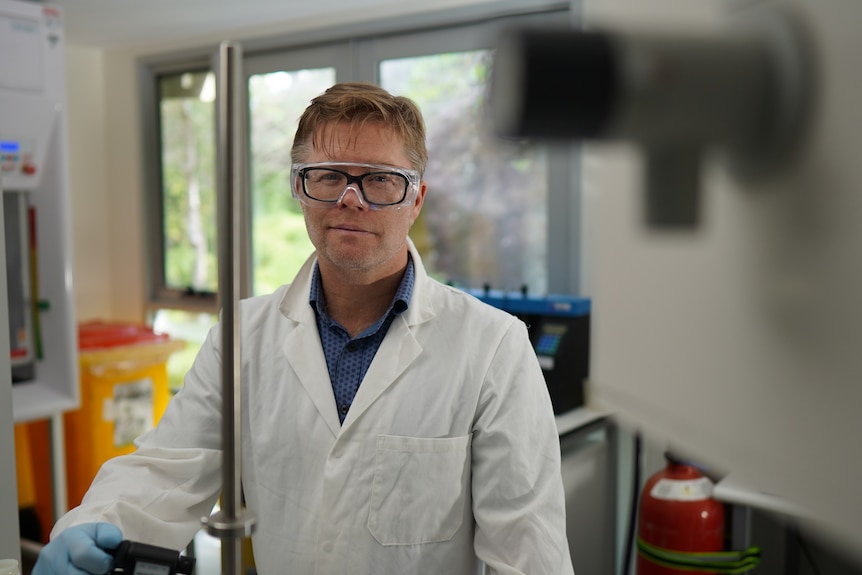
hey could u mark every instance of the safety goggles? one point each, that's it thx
(324, 184)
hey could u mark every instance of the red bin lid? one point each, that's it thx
(100, 335)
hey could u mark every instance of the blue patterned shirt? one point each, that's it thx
(348, 359)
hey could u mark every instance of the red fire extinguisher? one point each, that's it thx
(680, 525)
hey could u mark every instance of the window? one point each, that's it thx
(187, 176)
(280, 244)
(188, 327)
(486, 221)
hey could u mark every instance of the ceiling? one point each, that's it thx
(120, 23)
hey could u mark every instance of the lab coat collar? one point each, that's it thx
(304, 351)
(294, 304)
(397, 351)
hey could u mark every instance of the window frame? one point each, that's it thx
(355, 51)
(159, 294)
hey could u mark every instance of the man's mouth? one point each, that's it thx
(348, 228)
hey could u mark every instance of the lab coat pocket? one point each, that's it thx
(419, 489)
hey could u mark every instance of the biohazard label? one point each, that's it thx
(682, 490)
(130, 409)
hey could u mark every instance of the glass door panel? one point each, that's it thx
(485, 218)
(280, 243)
(187, 167)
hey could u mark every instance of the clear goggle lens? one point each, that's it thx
(377, 186)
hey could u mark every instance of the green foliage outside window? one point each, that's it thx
(188, 185)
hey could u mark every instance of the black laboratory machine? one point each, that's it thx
(559, 329)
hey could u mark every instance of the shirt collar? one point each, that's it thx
(399, 303)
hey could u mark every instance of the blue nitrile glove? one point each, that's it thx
(79, 550)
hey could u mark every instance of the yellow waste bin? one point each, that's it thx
(124, 391)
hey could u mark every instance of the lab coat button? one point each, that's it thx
(327, 546)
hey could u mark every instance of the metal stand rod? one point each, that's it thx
(229, 523)
(58, 465)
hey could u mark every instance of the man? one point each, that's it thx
(391, 424)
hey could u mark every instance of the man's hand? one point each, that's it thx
(79, 550)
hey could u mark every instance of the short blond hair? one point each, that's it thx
(357, 104)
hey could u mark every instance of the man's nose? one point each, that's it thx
(356, 201)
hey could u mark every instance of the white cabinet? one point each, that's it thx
(589, 469)
(33, 157)
(9, 548)
(34, 161)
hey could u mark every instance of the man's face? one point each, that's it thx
(350, 237)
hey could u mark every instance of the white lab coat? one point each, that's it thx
(449, 453)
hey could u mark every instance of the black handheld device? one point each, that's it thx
(133, 558)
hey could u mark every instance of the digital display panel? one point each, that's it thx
(549, 340)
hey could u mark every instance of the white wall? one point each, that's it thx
(90, 199)
(123, 174)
